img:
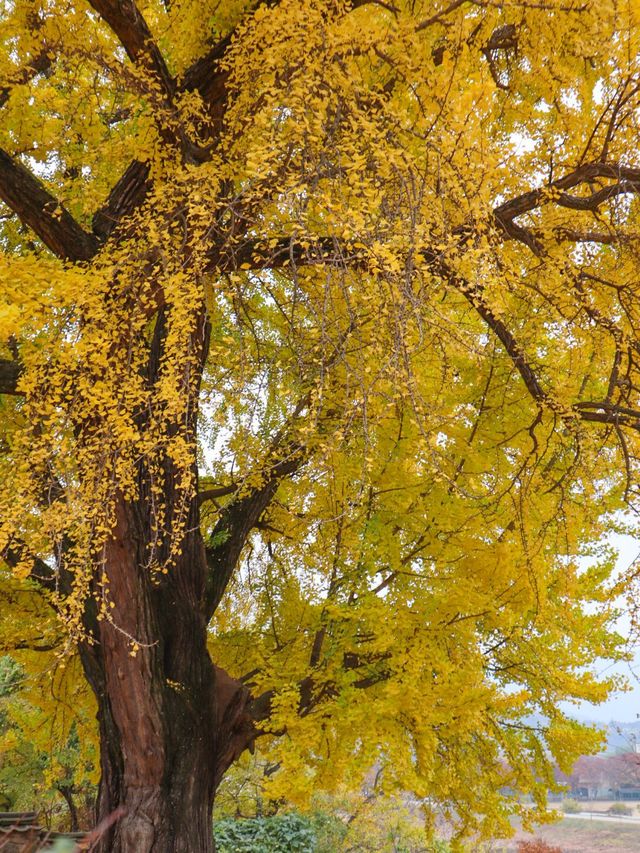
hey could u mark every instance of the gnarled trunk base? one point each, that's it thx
(172, 814)
(171, 723)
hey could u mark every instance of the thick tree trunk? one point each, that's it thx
(171, 723)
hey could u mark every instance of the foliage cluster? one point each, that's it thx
(47, 752)
(321, 832)
(286, 833)
(360, 820)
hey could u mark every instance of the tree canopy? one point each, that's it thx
(319, 331)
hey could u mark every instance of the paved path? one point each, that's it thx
(604, 817)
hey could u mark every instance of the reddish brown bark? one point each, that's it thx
(171, 723)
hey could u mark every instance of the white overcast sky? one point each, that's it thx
(622, 707)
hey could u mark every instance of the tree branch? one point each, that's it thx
(209, 79)
(39, 64)
(475, 296)
(32, 645)
(15, 554)
(282, 252)
(627, 181)
(606, 238)
(43, 213)
(236, 522)
(127, 194)
(127, 22)
(9, 375)
(260, 707)
(218, 492)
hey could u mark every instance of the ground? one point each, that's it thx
(582, 835)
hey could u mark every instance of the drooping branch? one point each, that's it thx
(284, 458)
(27, 196)
(277, 253)
(284, 252)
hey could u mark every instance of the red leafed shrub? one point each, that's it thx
(537, 846)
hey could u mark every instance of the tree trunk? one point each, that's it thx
(67, 792)
(171, 723)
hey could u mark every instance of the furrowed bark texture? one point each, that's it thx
(171, 723)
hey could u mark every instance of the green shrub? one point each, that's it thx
(620, 809)
(287, 833)
(571, 807)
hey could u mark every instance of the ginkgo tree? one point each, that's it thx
(319, 373)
